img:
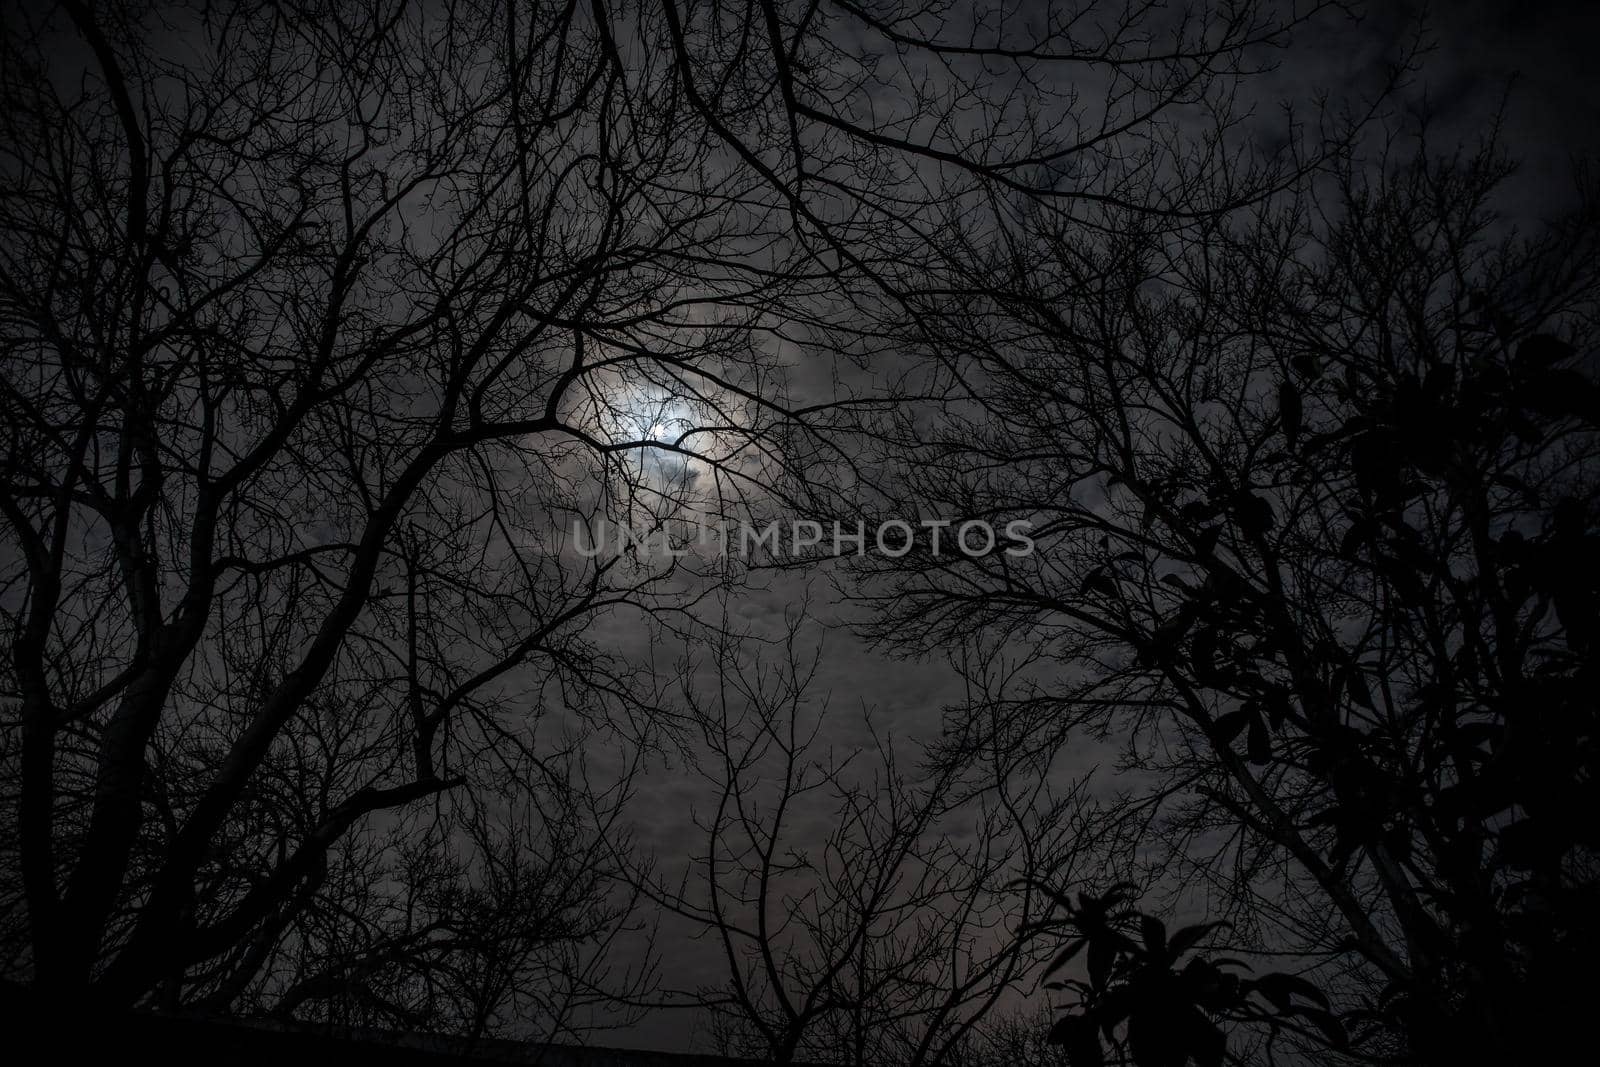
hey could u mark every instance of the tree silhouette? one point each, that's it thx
(317, 320)
(322, 329)
(867, 909)
(1315, 501)
(325, 325)
(1137, 998)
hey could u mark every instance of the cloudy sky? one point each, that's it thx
(1532, 62)
(1528, 62)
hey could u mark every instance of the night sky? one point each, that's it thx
(1529, 62)
(254, 777)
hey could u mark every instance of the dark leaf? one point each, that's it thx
(1355, 683)
(1523, 428)
(1478, 734)
(1258, 744)
(1079, 1039)
(1359, 533)
(1203, 651)
(1098, 582)
(1165, 642)
(1306, 365)
(1154, 932)
(1532, 842)
(1290, 413)
(1544, 350)
(1102, 954)
(1227, 727)
(1154, 1041)
(1276, 703)
(1561, 392)
(1205, 1043)
(1281, 988)
(1254, 514)
(1373, 462)
(1439, 384)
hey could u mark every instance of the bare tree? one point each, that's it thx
(323, 325)
(322, 329)
(867, 112)
(1315, 501)
(1019, 1037)
(867, 912)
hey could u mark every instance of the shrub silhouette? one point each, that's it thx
(1154, 997)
